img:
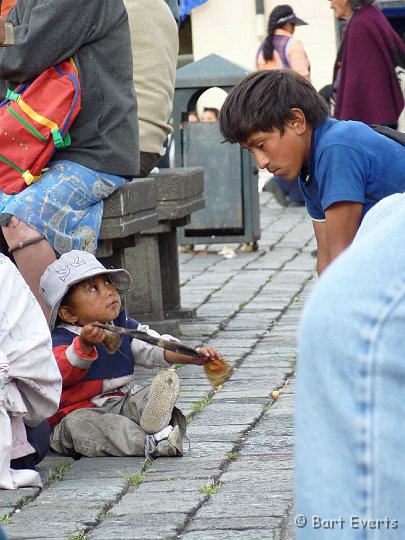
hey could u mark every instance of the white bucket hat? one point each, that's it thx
(71, 268)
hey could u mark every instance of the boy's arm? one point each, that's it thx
(342, 221)
(152, 356)
(323, 257)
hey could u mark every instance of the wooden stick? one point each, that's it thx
(174, 346)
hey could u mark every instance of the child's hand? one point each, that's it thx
(208, 354)
(90, 336)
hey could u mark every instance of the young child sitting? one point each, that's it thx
(344, 167)
(102, 410)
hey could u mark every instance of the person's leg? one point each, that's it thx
(152, 406)
(148, 160)
(164, 161)
(32, 254)
(292, 189)
(38, 437)
(275, 186)
(95, 433)
(349, 396)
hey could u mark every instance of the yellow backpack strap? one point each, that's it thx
(35, 116)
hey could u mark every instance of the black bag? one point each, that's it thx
(393, 134)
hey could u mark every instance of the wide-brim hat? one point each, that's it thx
(286, 14)
(71, 268)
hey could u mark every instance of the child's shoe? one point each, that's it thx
(167, 443)
(163, 394)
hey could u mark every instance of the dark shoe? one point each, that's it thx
(271, 187)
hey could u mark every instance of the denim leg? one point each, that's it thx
(350, 405)
(282, 183)
(294, 191)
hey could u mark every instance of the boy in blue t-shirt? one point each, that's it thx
(344, 167)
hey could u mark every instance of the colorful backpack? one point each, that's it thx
(34, 123)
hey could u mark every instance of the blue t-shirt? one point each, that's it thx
(349, 161)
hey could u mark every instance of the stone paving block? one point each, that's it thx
(157, 526)
(134, 504)
(103, 468)
(237, 480)
(237, 504)
(228, 413)
(267, 445)
(172, 486)
(9, 499)
(276, 429)
(278, 462)
(260, 375)
(200, 330)
(247, 335)
(50, 525)
(238, 524)
(208, 433)
(269, 362)
(42, 533)
(204, 472)
(245, 396)
(76, 490)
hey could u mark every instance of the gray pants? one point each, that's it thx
(110, 430)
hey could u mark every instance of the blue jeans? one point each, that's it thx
(350, 395)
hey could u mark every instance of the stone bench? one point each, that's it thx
(149, 250)
(179, 194)
(126, 213)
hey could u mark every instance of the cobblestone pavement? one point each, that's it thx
(235, 479)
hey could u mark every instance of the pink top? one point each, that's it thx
(295, 53)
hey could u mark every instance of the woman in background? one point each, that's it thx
(281, 50)
(364, 80)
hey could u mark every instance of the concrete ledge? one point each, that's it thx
(124, 201)
(179, 192)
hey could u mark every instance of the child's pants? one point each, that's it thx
(110, 430)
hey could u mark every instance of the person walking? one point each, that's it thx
(281, 50)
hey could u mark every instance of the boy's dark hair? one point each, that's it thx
(263, 101)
